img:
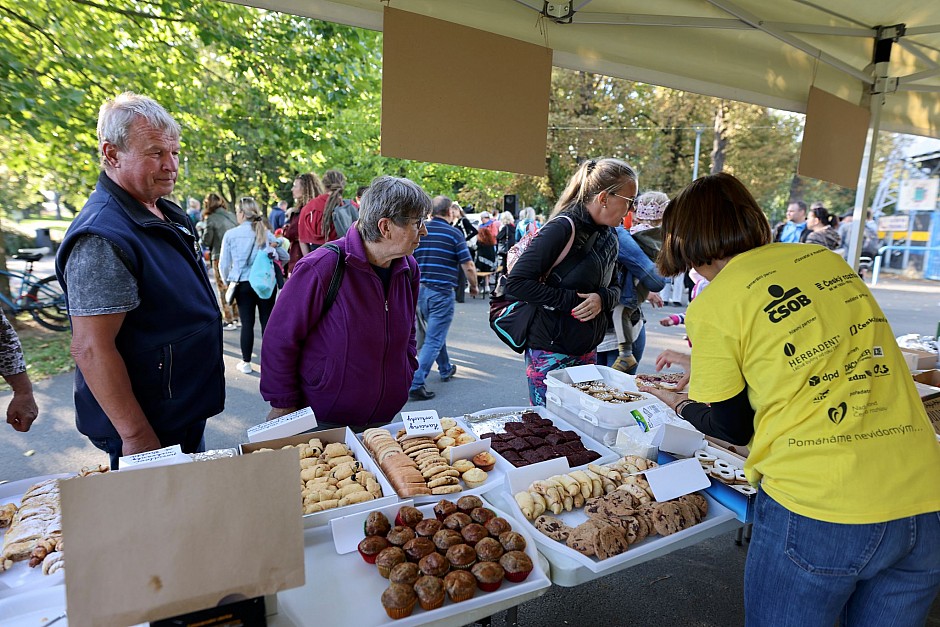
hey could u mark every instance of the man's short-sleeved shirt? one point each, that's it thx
(838, 423)
(98, 279)
(440, 253)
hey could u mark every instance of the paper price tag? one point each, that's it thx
(580, 374)
(421, 423)
(285, 426)
(677, 478)
(467, 451)
(160, 457)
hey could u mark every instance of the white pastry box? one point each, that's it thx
(597, 418)
(346, 436)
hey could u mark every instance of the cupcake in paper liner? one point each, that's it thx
(430, 591)
(489, 575)
(461, 585)
(399, 600)
(517, 565)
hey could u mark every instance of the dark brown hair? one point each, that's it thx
(212, 203)
(715, 217)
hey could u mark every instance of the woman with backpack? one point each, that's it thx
(240, 247)
(505, 239)
(575, 294)
(316, 219)
(527, 223)
(218, 220)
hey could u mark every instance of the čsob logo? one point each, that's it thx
(785, 302)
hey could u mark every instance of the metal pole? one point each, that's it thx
(699, 129)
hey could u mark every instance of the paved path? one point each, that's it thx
(700, 585)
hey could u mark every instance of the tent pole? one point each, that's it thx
(882, 56)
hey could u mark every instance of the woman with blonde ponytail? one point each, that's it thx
(573, 279)
(316, 219)
(240, 246)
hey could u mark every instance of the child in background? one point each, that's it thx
(700, 284)
(640, 277)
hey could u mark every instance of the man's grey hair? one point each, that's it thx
(441, 205)
(397, 199)
(116, 117)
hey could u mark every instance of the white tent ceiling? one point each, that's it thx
(759, 51)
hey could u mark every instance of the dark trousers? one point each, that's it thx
(247, 301)
(461, 284)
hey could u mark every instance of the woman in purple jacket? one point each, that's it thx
(352, 361)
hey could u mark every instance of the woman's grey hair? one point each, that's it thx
(116, 117)
(397, 199)
(506, 217)
(527, 214)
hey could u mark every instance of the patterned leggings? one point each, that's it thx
(538, 363)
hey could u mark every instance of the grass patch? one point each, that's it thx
(46, 352)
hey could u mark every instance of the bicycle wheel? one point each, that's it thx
(48, 307)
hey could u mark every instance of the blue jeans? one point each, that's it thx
(807, 573)
(607, 358)
(191, 439)
(436, 306)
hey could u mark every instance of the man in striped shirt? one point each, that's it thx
(440, 253)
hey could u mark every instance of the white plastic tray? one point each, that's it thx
(21, 577)
(606, 455)
(589, 409)
(495, 478)
(345, 590)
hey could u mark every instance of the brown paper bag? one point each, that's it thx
(154, 543)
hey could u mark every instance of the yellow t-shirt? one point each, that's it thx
(840, 433)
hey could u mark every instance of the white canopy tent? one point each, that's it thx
(876, 53)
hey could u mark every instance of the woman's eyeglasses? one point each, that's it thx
(631, 202)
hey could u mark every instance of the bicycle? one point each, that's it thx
(42, 298)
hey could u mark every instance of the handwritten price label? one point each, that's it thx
(419, 423)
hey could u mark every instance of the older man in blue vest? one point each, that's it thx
(146, 328)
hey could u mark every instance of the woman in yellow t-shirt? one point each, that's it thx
(793, 356)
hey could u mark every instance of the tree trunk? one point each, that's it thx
(721, 142)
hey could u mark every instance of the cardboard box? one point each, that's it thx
(929, 377)
(919, 360)
(346, 436)
(300, 421)
(932, 407)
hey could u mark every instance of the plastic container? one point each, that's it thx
(579, 407)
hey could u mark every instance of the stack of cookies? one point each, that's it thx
(724, 472)
(607, 393)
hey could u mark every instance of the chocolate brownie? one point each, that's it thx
(532, 456)
(514, 427)
(535, 441)
(519, 444)
(571, 436)
(488, 436)
(530, 416)
(555, 438)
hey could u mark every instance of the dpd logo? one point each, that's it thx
(785, 302)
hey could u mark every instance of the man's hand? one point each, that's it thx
(22, 411)
(655, 299)
(277, 412)
(474, 289)
(146, 441)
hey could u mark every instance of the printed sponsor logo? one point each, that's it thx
(785, 302)
(821, 396)
(881, 371)
(803, 358)
(850, 367)
(856, 328)
(877, 351)
(789, 349)
(861, 376)
(837, 413)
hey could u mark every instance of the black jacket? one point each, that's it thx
(589, 267)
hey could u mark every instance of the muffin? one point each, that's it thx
(489, 550)
(467, 504)
(497, 526)
(484, 461)
(428, 527)
(481, 515)
(446, 538)
(489, 575)
(409, 516)
(389, 558)
(461, 556)
(399, 600)
(463, 465)
(517, 565)
(473, 533)
(460, 585)
(474, 478)
(406, 573)
(444, 441)
(464, 438)
(512, 541)
(376, 524)
(399, 535)
(430, 591)
(371, 546)
(444, 508)
(457, 521)
(434, 564)
(417, 548)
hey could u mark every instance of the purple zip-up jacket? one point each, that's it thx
(355, 365)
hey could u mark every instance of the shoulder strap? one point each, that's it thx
(567, 249)
(336, 280)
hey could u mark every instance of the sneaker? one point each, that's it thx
(420, 394)
(624, 364)
(244, 366)
(229, 326)
(447, 376)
